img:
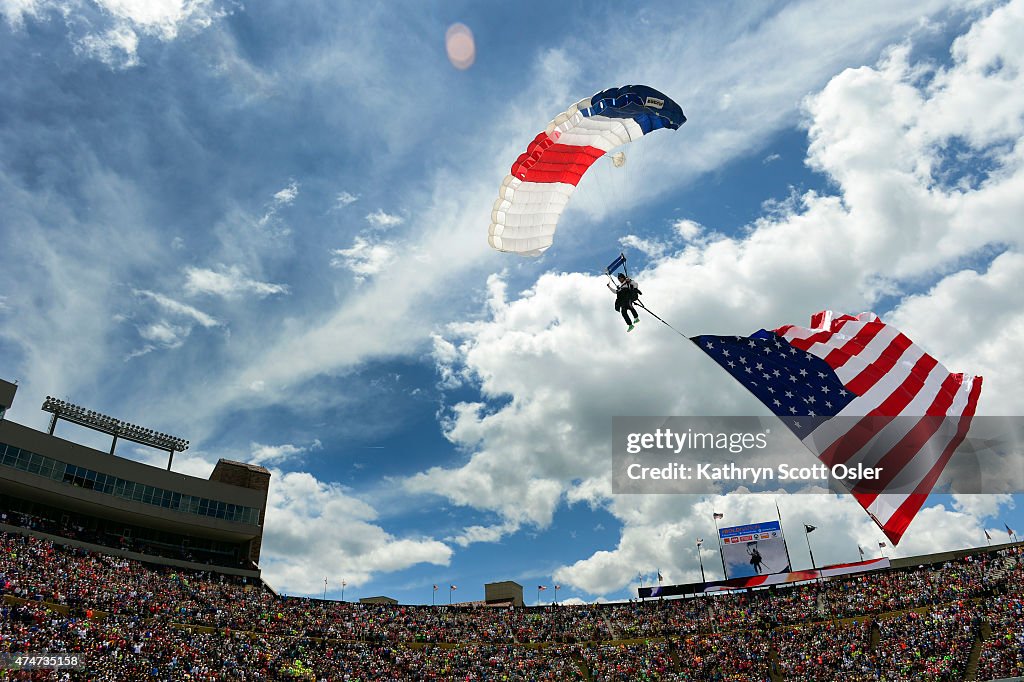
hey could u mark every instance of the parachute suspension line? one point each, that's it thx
(655, 316)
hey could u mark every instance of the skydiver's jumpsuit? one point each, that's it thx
(755, 561)
(626, 294)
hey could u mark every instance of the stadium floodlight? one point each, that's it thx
(98, 421)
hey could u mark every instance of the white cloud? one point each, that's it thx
(688, 229)
(228, 282)
(277, 454)
(973, 321)
(652, 248)
(381, 220)
(177, 308)
(365, 258)
(283, 197)
(168, 335)
(164, 333)
(114, 34)
(982, 506)
(315, 529)
(286, 196)
(163, 19)
(344, 199)
(117, 48)
(474, 534)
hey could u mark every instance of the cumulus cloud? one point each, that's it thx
(537, 438)
(315, 529)
(228, 282)
(277, 454)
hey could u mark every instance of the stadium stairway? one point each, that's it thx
(774, 669)
(975, 657)
(674, 655)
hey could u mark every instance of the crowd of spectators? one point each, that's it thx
(134, 620)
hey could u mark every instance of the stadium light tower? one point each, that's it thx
(61, 409)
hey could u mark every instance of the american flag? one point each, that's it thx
(839, 386)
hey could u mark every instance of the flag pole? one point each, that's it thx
(807, 536)
(701, 560)
(721, 552)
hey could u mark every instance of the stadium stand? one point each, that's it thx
(159, 581)
(130, 619)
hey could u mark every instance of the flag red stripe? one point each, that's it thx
(838, 357)
(893, 462)
(897, 525)
(877, 419)
(871, 374)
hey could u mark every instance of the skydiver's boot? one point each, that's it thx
(629, 328)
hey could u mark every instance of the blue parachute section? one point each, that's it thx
(651, 109)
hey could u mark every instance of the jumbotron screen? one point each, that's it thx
(754, 549)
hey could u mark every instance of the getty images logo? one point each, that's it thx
(654, 103)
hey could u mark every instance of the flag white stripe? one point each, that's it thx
(888, 437)
(822, 438)
(861, 359)
(836, 340)
(915, 471)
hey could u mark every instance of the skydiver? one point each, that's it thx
(626, 293)
(756, 560)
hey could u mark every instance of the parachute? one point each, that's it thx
(537, 189)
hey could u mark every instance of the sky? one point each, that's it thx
(262, 228)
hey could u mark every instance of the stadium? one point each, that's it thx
(470, 340)
(99, 583)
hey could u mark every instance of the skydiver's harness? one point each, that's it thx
(621, 262)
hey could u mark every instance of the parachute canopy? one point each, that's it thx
(537, 189)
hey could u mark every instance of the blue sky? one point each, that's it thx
(263, 229)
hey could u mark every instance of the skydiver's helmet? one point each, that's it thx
(622, 277)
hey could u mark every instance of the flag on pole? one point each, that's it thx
(839, 386)
(659, 577)
(542, 587)
(718, 516)
(987, 536)
(700, 541)
(435, 588)
(452, 587)
(558, 587)
(809, 528)
(1009, 531)
(861, 551)
(882, 545)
